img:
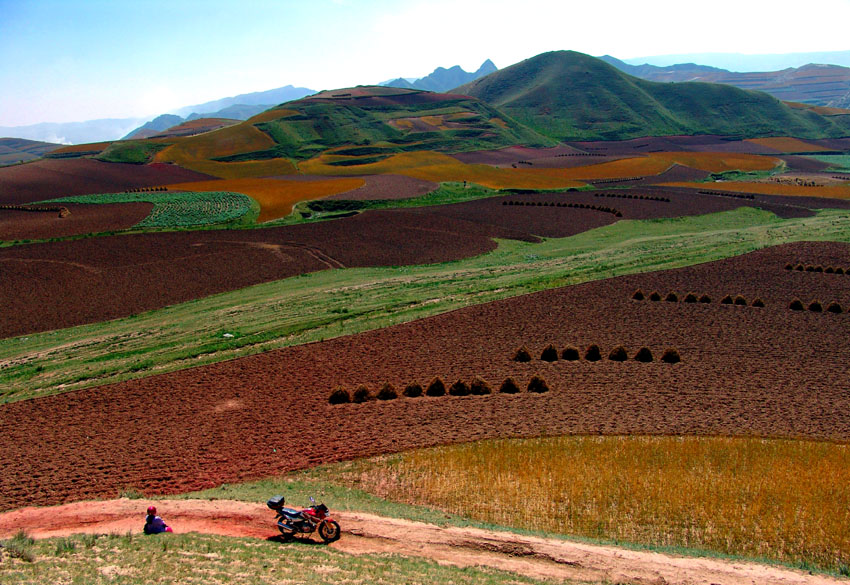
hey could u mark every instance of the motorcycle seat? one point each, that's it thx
(289, 512)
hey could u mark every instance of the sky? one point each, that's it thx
(75, 60)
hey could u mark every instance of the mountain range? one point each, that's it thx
(442, 79)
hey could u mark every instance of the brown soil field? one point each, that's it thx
(51, 178)
(512, 154)
(90, 280)
(745, 370)
(804, 164)
(700, 143)
(677, 173)
(387, 187)
(84, 219)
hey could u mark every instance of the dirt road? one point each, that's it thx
(546, 558)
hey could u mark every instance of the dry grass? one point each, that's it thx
(658, 162)
(79, 148)
(275, 196)
(273, 114)
(779, 499)
(787, 144)
(828, 191)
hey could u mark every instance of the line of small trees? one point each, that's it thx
(435, 388)
(594, 354)
(815, 306)
(602, 208)
(726, 194)
(146, 189)
(581, 154)
(818, 268)
(630, 196)
(691, 297)
(617, 180)
(62, 211)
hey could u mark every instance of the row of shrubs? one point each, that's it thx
(815, 307)
(630, 196)
(477, 387)
(601, 208)
(673, 297)
(726, 194)
(810, 268)
(146, 189)
(581, 154)
(594, 354)
(619, 180)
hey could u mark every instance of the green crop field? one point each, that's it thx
(177, 209)
(130, 151)
(333, 303)
(839, 162)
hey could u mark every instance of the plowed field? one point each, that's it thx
(744, 371)
(52, 178)
(84, 219)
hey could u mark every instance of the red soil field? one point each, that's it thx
(84, 219)
(512, 154)
(89, 280)
(52, 178)
(744, 371)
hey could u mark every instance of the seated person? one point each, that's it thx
(154, 524)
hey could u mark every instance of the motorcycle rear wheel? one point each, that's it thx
(329, 531)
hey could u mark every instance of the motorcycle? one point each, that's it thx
(314, 518)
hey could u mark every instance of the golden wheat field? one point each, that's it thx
(787, 144)
(777, 499)
(275, 196)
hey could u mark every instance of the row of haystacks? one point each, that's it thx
(727, 194)
(631, 196)
(602, 208)
(816, 306)
(593, 353)
(436, 388)
(692, 297)
(146, 189)
(817, 268)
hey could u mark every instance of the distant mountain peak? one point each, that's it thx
(442, 79)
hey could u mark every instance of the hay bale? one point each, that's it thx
(643, 355)
(727, 300)
(522, 355)
(818, 268)
(796, 305)
(340, 396)
(758, 303)
(413, 390)
(436, 388)
(691, 297)
(362, 394)
(789, 266)
(840, 270)
(672, 297)
(834, 308)
(638, 295)
(740, 301)
(705, 299)
(387, 392)
(537, 385)
(829, 270)
(671, 356)
(810, 268)
(816, 307)
(459, 388)
(550, 354)
(593, 354)
(655, 296)
(479, 387)
(570, 354)
(618, 354)
(799, 267)
(509, 386)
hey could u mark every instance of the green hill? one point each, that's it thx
(572, 96)
(368, 123)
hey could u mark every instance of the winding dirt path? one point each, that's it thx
(546, 558)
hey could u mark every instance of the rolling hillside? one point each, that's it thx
(572, 96)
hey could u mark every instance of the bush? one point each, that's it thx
(818, 268)
(550, 354)
(690, 298)
(593, 354)
(538, 385)
(413, 390)
(459, 388)
(810, 268)
(655, 296)
(799, 267)
(789, 266)
(816, 307)
(340, 396)
(834, 308)
(727, 300)
(436, 388)
(829, 270)
(671, 356)
(796, 305)
(672, 297)
(387, 392)
(479, 387)
(522, 355)
(362, 394)
(643, 355)
(570, 354)
(509, 386)
(705, 299)
(758, 303)
(741, 301)
(638, 295)
(839, 270)
(618, 354)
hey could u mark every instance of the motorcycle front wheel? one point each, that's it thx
(329, 531)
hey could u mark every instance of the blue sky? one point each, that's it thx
(66, 60)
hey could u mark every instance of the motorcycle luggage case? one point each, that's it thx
(275, 502)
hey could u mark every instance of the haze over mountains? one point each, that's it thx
(442, 79)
